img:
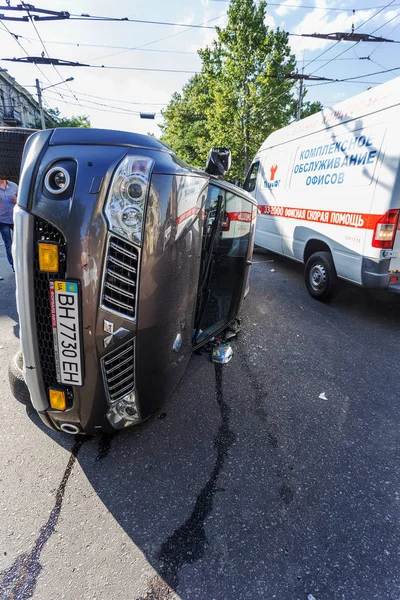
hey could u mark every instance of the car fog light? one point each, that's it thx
(124, 412)
(57, 399)
(48, 257)
(57, 180)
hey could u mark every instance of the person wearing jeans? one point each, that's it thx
(8, 199)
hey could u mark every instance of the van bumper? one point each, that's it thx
(375, 275)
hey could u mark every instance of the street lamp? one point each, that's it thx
(39, 95)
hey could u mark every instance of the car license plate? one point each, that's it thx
(64, 304)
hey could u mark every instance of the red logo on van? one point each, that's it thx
(274, 169)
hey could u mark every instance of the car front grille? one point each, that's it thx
(46, 232)
(120, 278)
(118, 371)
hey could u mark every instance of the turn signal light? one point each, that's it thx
(48, 257)
(57, 398)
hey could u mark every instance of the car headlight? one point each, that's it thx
(126, 200)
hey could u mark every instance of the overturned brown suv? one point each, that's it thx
(126, 260)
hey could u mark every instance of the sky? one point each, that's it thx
(114, 97)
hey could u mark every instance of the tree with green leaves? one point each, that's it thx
(53, 119)
(240, 95)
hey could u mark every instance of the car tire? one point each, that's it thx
(320, 276)
(12, 142)
(19, 389)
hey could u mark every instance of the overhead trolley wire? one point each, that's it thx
(374, 15)
(349, 47)
(331, 47)
(86, 45)
(114, 99)
(390, 33)
(317, 57)
(128, 20)
(166, 37)
(312, 6)
(369, 74)
(44, 47)
(188, 27)
(379, 45)
(108, 109)
(15, 38)
(122, 101)
(387, 23)
(62, 63)
(357, 77)
(65, 15)
(109, 106)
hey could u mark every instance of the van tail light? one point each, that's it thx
(385, 230)
(226, 222)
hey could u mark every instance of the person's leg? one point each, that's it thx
(6, 234)
(11, 254)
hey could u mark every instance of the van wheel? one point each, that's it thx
(320, 276)
(19, 389)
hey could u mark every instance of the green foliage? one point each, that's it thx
(309, 108)
(186, 127)
(240, 96)
(53, 119)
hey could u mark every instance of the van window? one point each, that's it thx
(251, 178)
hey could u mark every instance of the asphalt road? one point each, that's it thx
(275, 476)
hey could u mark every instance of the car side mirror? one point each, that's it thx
(218, 161)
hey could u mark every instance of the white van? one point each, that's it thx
(328, 189)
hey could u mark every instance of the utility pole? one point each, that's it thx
(301, 77)
(39, 95)
(300, 101)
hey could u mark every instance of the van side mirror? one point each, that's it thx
(218, 161)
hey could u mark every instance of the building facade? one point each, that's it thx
(18, 108)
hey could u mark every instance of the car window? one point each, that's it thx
(251, 178)
(214, 197)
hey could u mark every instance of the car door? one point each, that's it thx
(224, 266)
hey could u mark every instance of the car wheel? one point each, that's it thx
(320, 276)
(19, 389)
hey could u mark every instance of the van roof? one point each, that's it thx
(373, 100)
